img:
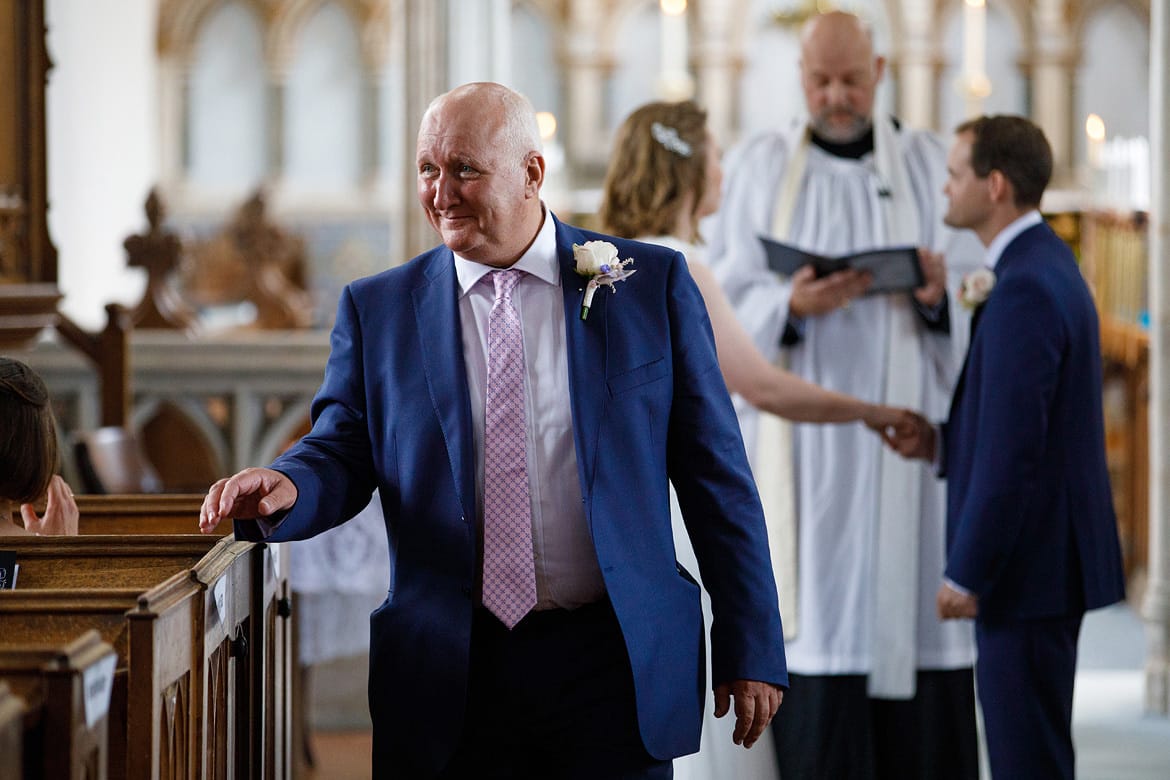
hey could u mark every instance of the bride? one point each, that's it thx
(664, 176)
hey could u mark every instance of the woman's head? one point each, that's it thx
(28, 436)
(664, 172)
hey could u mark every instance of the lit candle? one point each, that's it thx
(1094, 140)
(675, 82)
(974, 37)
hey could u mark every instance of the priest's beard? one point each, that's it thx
(840, 125)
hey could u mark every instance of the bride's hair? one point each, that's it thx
(28, 435)
(657, 169)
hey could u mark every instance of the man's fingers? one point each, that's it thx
(745, 714)
(722, 700)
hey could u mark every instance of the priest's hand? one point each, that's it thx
(913, 437)
(952, 604)
(250, 494)
(60, 515)
(813, 297)
(934, 273)
(755, 705)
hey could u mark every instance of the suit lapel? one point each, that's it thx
(585, 343)
(436, 311)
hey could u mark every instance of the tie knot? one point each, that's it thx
(506, 282)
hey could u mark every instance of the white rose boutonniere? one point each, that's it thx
(598, 261)
(976, 287)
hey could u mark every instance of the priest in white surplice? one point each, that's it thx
(881, 687)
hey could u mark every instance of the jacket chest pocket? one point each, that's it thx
(636, 377)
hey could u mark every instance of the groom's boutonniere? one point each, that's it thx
(598, 261)
(976, 287)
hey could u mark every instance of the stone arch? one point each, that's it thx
(180, 22)
(371, 23)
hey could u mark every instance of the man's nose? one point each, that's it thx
(836, 93)
(445, 193)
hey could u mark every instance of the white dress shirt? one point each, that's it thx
(567, 573)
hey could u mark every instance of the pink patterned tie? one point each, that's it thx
(509, 576)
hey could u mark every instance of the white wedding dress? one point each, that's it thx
(718, 758)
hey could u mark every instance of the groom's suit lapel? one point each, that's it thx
(436, 311)
(585, 342)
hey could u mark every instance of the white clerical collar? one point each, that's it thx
(539, 260)
(1008, 235)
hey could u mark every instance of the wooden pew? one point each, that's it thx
(141, 514)
(12, 710)
(155, 622)
(67, 691)
(272, 674)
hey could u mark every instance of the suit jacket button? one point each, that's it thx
(466, 591)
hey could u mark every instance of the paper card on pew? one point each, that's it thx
(9, 568)
(893, 269)
(98, 681)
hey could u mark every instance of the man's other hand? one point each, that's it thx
(953, 604)
(755, 705)
(812, 296)
(934, 274)
(249, 494)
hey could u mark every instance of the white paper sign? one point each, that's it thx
(220, 594)
(98, 681)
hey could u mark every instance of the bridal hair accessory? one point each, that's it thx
(976, 287)
(598, 261)
(669, 138)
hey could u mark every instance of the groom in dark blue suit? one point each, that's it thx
(537, 623)
(1031, 534)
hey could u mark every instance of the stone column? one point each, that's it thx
(1156, 606)
(422, 27)
(917, 64)
(718, 68)
(1053, 65)
(586, 68)
(274, 123)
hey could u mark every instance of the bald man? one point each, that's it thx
(538, 623)
(880, 686)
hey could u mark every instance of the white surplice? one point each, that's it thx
(840, 210)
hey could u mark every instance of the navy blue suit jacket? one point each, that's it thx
(648, 402)
(1030, 523)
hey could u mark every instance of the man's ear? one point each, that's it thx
(999, 187)
(534, 174)
(879, 68)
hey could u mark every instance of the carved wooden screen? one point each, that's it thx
(28, 260)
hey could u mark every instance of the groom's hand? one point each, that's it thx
(755, 705)
(911, 437)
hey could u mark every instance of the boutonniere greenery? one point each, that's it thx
(976, 287)
(598, 262)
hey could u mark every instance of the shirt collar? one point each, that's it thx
(539, 260)
(1008, 234)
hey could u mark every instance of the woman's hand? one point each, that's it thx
(61, 513)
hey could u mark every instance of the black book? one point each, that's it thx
(894, 269)
(8, 569)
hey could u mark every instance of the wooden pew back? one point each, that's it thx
(12, 709)
(141, 514)
(67, 691)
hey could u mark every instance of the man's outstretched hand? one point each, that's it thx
(911, 437)
(249, 494)
(755, 705)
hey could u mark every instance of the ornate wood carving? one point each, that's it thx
(28, 259)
